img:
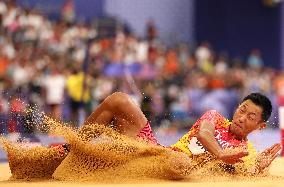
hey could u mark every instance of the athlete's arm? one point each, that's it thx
(206, 137)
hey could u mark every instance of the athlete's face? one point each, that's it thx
(246, 119)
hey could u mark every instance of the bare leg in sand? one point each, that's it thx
(119, 110)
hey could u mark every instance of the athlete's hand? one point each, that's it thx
(232, 156)
(265, 158)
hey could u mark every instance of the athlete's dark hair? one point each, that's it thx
(262, 101)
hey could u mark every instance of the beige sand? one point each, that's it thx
(119, 157)
(276, 180)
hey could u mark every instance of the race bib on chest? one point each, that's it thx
(195, 146)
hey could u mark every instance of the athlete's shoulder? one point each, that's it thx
(212, 114)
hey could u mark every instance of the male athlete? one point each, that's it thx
(211, 133)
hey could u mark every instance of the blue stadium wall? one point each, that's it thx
(238, 26)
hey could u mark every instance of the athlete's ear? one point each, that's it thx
(262, 125)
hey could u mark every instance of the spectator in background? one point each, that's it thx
(147, 103)
(4, 108)
(22, 72)
(172, 65)
(152, 40)
(16, 114)
(103, 86)
(221, 66)
(203, 56)
(78, 91)
(54, 86)
(151, 31)
(254, 60)
(278, 85)
(68, 11)
(4, 63)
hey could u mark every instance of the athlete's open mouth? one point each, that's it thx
(239, 126)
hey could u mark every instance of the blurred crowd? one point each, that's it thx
(66, 68)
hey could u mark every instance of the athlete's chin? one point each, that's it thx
(239, 136)
(238, 133)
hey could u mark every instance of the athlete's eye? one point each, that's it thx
(250, 118)
(242, 111)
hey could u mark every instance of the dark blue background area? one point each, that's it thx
(239, 26)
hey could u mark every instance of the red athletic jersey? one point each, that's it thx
(191, 146)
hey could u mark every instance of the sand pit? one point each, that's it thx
(276, 180)
(100, 156)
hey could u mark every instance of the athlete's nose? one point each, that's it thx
(242, 119)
